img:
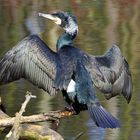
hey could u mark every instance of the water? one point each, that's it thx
(101, 23)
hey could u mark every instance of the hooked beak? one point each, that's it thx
(51, 17)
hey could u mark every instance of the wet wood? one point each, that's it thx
(22, 130)
(51, 116)
(15, 132)
(38, 132)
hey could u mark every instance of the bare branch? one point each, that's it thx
(51, 116)
(78, 136)
(14, 133)
(27, 99)
(30, 130)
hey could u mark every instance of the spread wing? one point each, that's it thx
(110, 73)
(30, 59)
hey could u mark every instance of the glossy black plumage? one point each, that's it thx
(30, 59)
(33, 60)
(110, 73)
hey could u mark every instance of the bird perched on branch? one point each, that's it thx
(70, 70)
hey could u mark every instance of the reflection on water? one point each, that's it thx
(94, 132)
(101, 23)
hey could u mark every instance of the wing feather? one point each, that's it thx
(110, 73)
(30, 59)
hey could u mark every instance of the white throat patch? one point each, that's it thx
(71, 86)
(72, 27)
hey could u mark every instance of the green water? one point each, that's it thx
(101, 23)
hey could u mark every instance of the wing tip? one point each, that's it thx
(128, 88)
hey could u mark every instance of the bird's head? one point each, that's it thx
(65, 20)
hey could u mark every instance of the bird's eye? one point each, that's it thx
(64, 22)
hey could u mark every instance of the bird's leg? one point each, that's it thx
(66, 113)
(69, 108)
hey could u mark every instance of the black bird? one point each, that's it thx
(70, 70)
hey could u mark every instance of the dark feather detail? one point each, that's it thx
(102, 118)
(30, 59)
(66, 65)
(110, 73)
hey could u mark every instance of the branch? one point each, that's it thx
(27, 99)
(14, 133)
(78, 136)
(30, 130)
(51, 116)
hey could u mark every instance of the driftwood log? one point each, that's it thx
(22, 127)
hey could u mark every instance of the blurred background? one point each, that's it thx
(101, 24)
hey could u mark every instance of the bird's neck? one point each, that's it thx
(65, 39)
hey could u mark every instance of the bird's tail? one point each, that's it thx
(102, 118)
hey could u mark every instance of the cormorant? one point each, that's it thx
(70, 70)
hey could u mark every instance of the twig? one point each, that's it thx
(78, 136)
(16, 129)
(27, 99)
